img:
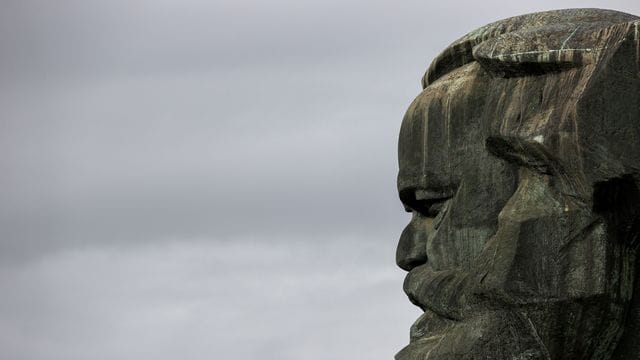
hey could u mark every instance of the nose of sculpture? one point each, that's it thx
(426, 207)
(412, 246)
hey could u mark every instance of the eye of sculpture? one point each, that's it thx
(520, 164)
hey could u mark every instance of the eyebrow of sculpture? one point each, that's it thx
(531, 44)
(530, 154)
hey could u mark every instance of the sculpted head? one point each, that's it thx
(520, 164)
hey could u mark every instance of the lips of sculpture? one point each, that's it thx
(444, 292)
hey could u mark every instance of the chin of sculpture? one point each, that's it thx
(520, 164)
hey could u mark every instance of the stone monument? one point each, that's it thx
(520, 164)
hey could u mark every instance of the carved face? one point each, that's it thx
(523, 193)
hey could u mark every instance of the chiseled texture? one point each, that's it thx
(520, 162)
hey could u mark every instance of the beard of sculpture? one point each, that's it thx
(520, 164)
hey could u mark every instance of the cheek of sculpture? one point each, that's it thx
(566, 263)
(538, 229)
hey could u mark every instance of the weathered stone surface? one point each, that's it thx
(520, 161)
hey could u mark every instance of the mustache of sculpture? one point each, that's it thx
(446, 292)
(443, 292)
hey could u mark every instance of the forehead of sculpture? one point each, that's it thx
(532, 44)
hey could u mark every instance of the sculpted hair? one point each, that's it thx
(535, 44)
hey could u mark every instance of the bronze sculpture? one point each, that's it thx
(520, 164)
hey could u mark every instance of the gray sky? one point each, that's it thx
(211, 179)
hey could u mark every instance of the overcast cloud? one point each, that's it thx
(211, 179)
